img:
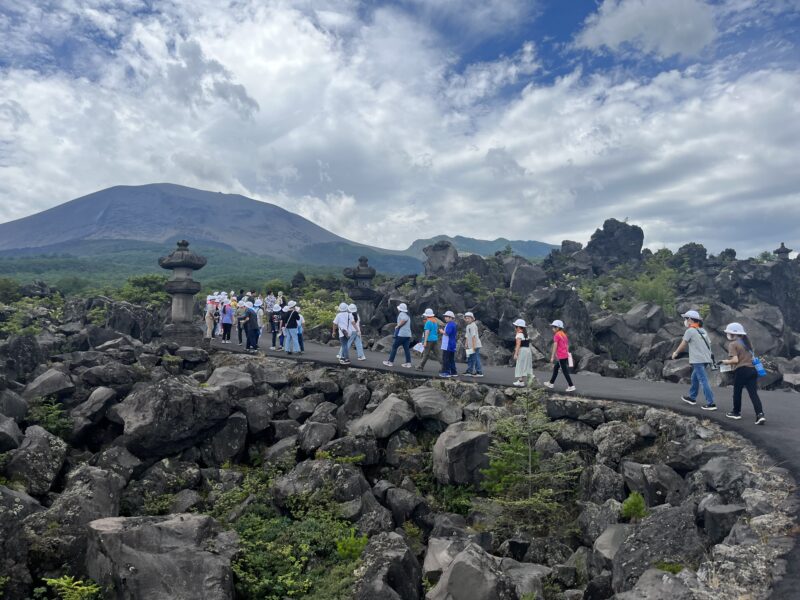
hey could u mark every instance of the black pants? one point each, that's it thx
(300, 341)
(563, 363)
(746, 377)
(274, 338)
(252, 339)
(239, 327)
(226, 332)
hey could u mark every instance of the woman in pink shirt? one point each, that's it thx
(559, 357)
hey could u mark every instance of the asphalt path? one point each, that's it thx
(779, 436)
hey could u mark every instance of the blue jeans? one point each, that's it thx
(356, 339)
(449, 362)
(291, 341)
(700, 378)
(474, 362)
(405, 342)
(344, 353)
(300, 341)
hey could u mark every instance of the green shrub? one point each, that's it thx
(144, 289)
(69, 588)
(3, 583)
(97, 315)
(157, 504)
(351, 546)
(49, 414)
(9, 290)
(471, 282)
(634, 508)
(669, 567)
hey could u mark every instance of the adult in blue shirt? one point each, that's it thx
(402, 337)
(430, 337)
(449, 346)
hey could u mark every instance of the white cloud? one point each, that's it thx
(367, 124)
(663, 29)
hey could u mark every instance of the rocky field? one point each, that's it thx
(134, 469)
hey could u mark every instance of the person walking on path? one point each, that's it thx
(449, 341)
(269, 302)
(523, 371)
(430, 337)
(745, 376)
(355, 333)
(275, 325)
(282, 339)
(342, 324)
(472, 345)
(301, 321)
(250, 326)
(402, 337)
(700, 358)
(559, 357)
(290, 328)
(241, 310)
(209, 317)
(226, 317)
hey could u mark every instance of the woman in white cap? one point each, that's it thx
(523, 371)
(472, 345)
(696, 340)
(559, 357)
(226, 318)
(430, 338)
(342, 324)
(741, 356)
(449, 341)
(355, 332)
(402, 337)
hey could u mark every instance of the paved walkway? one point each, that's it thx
(779, 436)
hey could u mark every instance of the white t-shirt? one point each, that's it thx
(343, 322)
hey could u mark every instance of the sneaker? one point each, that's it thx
(444, 375)
(709, 407)
(406, 365)
(339, 356)
(548, 385)
(344, 362)
(689, 400)
(388, 364)
(571, 388)
(362, 358)
(518, 384)
(478, 375)
(469, 374)
(272, 347)
(733, 415)
(760, 418)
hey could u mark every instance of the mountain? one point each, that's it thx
(528, 249)
(163, 213)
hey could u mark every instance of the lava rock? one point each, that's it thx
(390, 415)
(37, 461)
(460, 455)
(389, 571)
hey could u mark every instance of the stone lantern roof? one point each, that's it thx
(783, 252)
(182, 258)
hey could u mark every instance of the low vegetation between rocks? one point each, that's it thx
(132, 470)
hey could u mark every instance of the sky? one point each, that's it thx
(385, 122)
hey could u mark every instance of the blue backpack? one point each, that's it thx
(757, 364)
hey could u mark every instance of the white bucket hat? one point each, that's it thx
(277, 308)
(428, 313)
(352, 308)
(248, 304)
(557, 323)
(402, 307)
(292, 304)
(450, 314)
(286, 308)
(343, 307)
(258, 303)
(469, 314)
(519, 323)
(735, 329)
(692, 314)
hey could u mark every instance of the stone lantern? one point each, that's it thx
(361, 289)
(783, 252)
(182, 262)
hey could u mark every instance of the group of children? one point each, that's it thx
(251, 314)
(443, 335)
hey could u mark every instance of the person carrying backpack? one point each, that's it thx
(700, 357)
(559, 357)
(275, 325)
(355, 332)
(745, 375)
(343, 324)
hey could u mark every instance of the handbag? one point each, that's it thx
(570, 361)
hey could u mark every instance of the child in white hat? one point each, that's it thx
(402, 337)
